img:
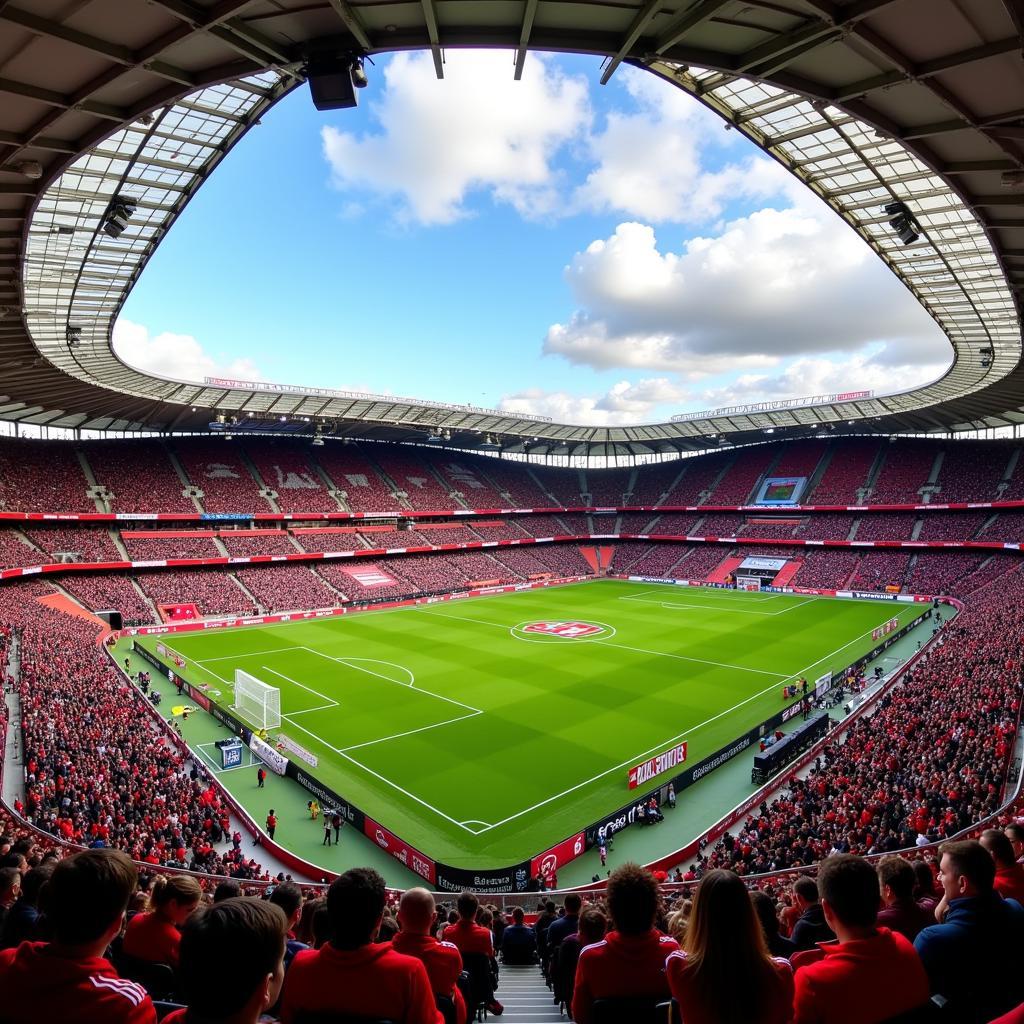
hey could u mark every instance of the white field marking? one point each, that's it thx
(388, 679)
(321, 707)
(248, 654)
(476, 831)
(669, 605)
(465, 618)
(517, 633)
(369, 671)
(729, 596)
(700, 661)
(410, 732)
(331, 702)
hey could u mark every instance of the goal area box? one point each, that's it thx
(256, 701)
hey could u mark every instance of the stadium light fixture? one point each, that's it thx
(901, 220)
(74, 336)
(119, 212)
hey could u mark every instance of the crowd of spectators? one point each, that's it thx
(355, 474)
(971, 471)
(878, 570)
(15, 550)
(99, 592)
(497, 529)
(846, 474)
(138, 476)
(213, 590)
(941, 572)
(99, 771)
(285, 467)
(737, 485)
(75, 544)
(826, 526)
(332, 538)
(159, 544)
(466, 475)
(905, 471)
(952, 525)
(885, 526)
(720, 524)
(279, 588)
(218, 468)
(653, 482)
(42, 476)
(825, 569)
(928, 762)
(246, 543)
(609, 487)
(516, 481)
(1007, 526)
(416, 478)
(799, 458)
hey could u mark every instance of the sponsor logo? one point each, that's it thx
(568, 629)
(657, 765)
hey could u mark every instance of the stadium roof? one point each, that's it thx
(866, 101)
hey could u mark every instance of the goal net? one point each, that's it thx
(258, 703)
(748, 582)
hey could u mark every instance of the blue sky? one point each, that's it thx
(598, 254)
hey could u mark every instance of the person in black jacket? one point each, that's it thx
(778, 945)
(810, 928)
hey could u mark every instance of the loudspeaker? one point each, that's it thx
(112, 617)
(330, 83)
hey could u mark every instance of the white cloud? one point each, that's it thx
(771, 285)
(179, 356)
(477, 129)
(623, 402)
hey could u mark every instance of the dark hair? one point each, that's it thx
(924, 880)
(355, 902)
(9, 878)
(573, 902)
(806, 888)
(34, 880)
(1014, 832)
(287, 896)
(766, 913)
(633, 900)
(321, 923)
(999, 847)
(226, 952)
(467, 904)
(850, 886)
(86, 894)
(593, 925)
(226, 891)
(898, 875)
(970, 859)
(724, 942)
(517, 915)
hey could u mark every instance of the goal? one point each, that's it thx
(748, 582)
(258, 703)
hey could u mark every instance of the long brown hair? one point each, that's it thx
(727, 960)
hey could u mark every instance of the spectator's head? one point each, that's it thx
(86, 897)
(321, 924)
(965, 870)
(593, 925)
(1015, 833)
(32, 884)
(517, 915)
(288, 896)
(1000, 849)
(849, 895)
(573, 902)
(924, 880)
(416, 911)
(227, 890)
(10, 886)
(766, 915)
(175, 897)
(805, 892)
(467, 905)
(724, 941)
(14, 858)
(895, 880)
(355, 907)
(633, 901)
(232, 960)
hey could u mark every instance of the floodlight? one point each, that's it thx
(901, 220)
(117, 216)
(74, 336)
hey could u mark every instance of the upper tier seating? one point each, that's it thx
(720, 524)
(630, 522)
(676, 524)
(847, 472)
(414, 476)
(826, 526)
(952, 525)
(799, 458)
(241, 545)
(515, 480)
(466, 475)
(15, 550)
(42, 476)
(700, 473)
(562, 484)
(608, 487)
(159, 546)
(354, 474)
(1008, 527)
(886, 526)
(737, 486)
(972, 471)
(904, 472)
(139, 476)
(218, 468)
(74, 544)
(286, 468)
(653, 480)
(336, 540)
(493, 529)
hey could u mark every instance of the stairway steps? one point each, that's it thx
(526, 998)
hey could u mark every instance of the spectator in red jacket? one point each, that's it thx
(68, 980)
(871, 973)
(1009, 881)
(232, 962)
(724, 941)
(900, 912)
(630, 960)
(469, 937)
(352, 974)
(443, 961)
(155, 936)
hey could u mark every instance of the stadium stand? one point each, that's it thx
(886, 526)
(15, 549)
(285, 468)
(653, 480)
(39, 476)
(737, 485)
(74, 544)
(1007, 526)
(972, 471)
(274, 542)
(498, 529)
(800, 458)
(609, 487)
(878, 570)
(110, 590)
(563, 485)
(941, 572)
(355, 475)
(720, 524)
(846, 475)
(514, 480)
(828, 570)
(952, 525)
(280, 588)
(138, 476)
(466, 475)
(825, 526)
(214, 592)
(165, 544)
(218, 469)
(333, 539)
(414, 477)
(904, 473)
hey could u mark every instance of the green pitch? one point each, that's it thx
(484, 731)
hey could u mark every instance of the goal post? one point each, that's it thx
(748, 582)
(257, 702)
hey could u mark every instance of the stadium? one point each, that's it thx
(463, 708)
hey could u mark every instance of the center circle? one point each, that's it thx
(561, 631)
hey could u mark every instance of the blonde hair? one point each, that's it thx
(183, 889)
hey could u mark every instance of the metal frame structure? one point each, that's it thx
(865, 101)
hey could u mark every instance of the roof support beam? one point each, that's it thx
(529, 13)
(698, 13)
(352, 23)
(430, 17)
(643, 18)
